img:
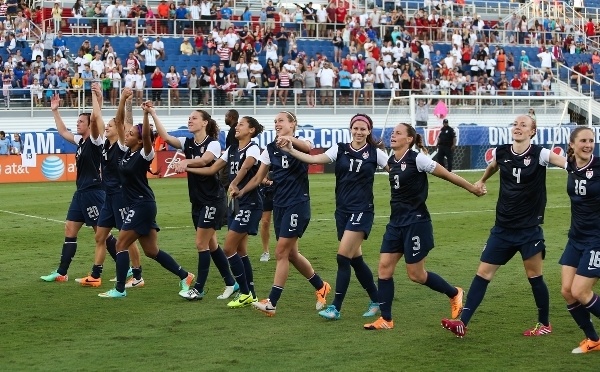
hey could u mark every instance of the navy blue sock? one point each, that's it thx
(111, 247)
(249, 275)
(474, 297)
(365, 277)
(166, 261)
(203, 268)
(220, 260)
(385, 296)
(275, 294)
(122, 268)
(68, 252)
(96, 271)
(316, 281)
(582, 318)
(137, 272)
(438, 284)
(594, 306)
(237, 268)
(342, 280)
(542, 298)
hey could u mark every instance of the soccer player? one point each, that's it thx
(89, 196)
(245, 213)
(410, 232)
(114, 208)
(207, 195)
(140, 222)
(519, 214)
(581, 258)
(291, 211)
(355, 166)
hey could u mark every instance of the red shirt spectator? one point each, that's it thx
(590, 29)
(340, 13)
(583, 69)
(515, 83)
(157, 80)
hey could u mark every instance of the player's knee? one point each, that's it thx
(417, 276)
(581, 294)
(567, 295)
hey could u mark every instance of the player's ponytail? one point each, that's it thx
(417, 139)
(254, 124)
(212, 129)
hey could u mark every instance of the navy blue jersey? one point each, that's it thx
(203, 189)
(111, 157)
(409, 185)
(354, 175)
(289, 175)
(87, 159)
(235, 157)
(583, 187)
(133, 170)
(522, 199)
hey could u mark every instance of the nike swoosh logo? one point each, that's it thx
(291, 229)
(416, 253)
(592, 268)
(91, 281)
(506, 161)
(243, 224)
(207, 221)
(356, 223)
(536, 244)
(135, 284)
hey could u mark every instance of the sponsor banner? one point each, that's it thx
(164, 164)
(37, 168)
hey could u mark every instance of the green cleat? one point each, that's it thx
(55, 277)
(242, 300)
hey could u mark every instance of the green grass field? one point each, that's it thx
(61, 326)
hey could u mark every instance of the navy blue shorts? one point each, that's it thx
(413, 241)
(113, 211)
(141, 218)
(504, 243)
(267, 200)
(584, 256)
(291, 221)
(245, 221)
(85, 206)
(358, 221)
(209, 216)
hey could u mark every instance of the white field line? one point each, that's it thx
(314, 219)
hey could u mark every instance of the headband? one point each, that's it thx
(290, 114)
(139, 128)
(362, 117)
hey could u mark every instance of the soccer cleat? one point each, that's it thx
(586, 346)
(373, 309)
(192, 294)
(322, 296)
(330, 313)
(187, 282)
(456, 303)
(89, 281)
(379, 324)
(538, 330)
(113, 293)
(129, 275)
(229, 290)
(455, 326)
(264, 257)
(265, 306)
(134, 283)
(241, 300)
(55, 277)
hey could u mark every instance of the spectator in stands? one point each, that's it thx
(181, 17)
(271, 51)
(173, 79)
(226, 14)
(284, 83)
(159, 46)
(186, 48)
(113, 17)
(523, 60)
(546, 58)
(205, 85)
(5, 144)
(272, 80)
(150, 56)
(515, 83)
(139, 84)
(87, 76)
(327, 78)
(56, 13)
(536, 82)
(282, 41)
(422, 113)
(220, 79)
(256, 70)
(224, 54)
(205, 16)
(10, 43)
(157, 86)
(162, 13)
(270, 13)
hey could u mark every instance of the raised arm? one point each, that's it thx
(60, 124)
(120, 120)
(146, 133)
(96, 119)
(162, 132)
(457, 180)
(128, 111)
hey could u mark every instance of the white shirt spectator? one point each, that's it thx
(457, 40)
(546, 59)
(97, 65)
(356, 80)
(449, 61)
(129, 79)
(379, 77)
(205, 8)
(194, 11)
(231, 39)
(242, 70)
(271, 52)
(124, 10)
(256, 69)
(60, 64)
(426, 51)
(80, 62)
(289, 67)
(362, 19)
(139, 81)
(158, 45)
(322, 16)
(326, 77)
(150, 56)
(385, 54)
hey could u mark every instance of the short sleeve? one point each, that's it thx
(264, 157)
(382, 158)
(332, 153)
(544, 157)
(77, 138)
(148, 157)
(494, 155)
(98, 141)
(225, 155)
(122, 146)
(215, 148)
(253, 152)
(182, 141)
(425, 163)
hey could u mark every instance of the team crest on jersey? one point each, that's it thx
(589, 173)
(403, 167)
(365, 155)
(527, 161)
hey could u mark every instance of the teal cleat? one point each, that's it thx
(55, 277)
(373, 309)
(113, 293)
(330, 313)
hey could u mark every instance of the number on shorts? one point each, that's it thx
(235, 166)
(93, 212)
(416, 243)
(130, 215)
(243, 215)
(396, 181)
(285, 162)
(580, 187)
(210, 213)
(123, 212)
(517, 174)
(594, 259)
(358, 164)
(358, 217)
(294, 220)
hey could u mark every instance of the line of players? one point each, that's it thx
(409, 233)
